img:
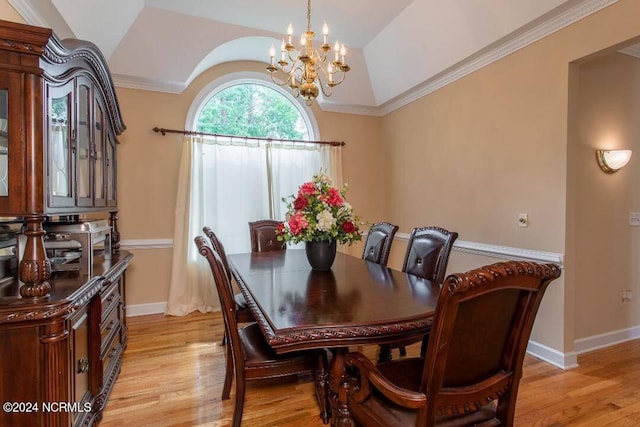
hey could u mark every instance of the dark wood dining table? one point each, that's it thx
(355, 303)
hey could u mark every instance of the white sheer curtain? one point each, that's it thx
(225, 183)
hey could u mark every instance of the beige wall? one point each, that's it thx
(607, 249)
(8, 13)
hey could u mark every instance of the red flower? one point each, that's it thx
(334, 198)
(280, 229)
(297, 223)
(348, 227)
(300, 203)
(307, 189)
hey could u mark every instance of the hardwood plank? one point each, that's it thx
(173, 371)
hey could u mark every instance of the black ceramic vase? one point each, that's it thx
(321, 254)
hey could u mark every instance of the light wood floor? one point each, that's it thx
(173, 371)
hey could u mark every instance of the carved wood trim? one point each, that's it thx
(458, 283)
(322, 335)
(63, 55)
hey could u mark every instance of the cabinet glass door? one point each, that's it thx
(100, 158)
(111, 170)
(84, 147)
(60, 148)
(4, 142)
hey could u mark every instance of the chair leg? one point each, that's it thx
(237, 411)
(385, 353)
(403, 350)
(228, 373)
(423, 346)
(322, 388)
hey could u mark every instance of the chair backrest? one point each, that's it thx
(263, 236)
(378, 244)
(428, 252)
(225, 293)
(479, 337)
(217, 246)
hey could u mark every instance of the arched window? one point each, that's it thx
(244, 179)
(253, 109)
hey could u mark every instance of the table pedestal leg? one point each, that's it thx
(340, 415)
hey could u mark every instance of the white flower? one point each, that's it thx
(325, 220)
(345, 209)
(323, 177)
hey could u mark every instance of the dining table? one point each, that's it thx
(355, 303)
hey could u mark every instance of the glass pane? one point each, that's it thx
(111, 159)
(99, 146)
(4, 142)
(59, 141)
(84, 144)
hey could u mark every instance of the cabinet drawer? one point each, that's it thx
(109, 327)
(110, 356)
(110, 298)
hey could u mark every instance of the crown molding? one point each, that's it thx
(30, 15)
(508, 46)
(334, 107)
(144, 83)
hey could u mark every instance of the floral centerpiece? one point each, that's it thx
(319, 213)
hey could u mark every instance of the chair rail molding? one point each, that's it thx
(502, 252)
(146, 244)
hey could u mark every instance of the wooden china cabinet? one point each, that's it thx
(62, 275)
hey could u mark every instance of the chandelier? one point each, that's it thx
(309, 70)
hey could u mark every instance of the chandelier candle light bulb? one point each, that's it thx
(312, 67)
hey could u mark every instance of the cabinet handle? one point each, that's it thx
(83, 365)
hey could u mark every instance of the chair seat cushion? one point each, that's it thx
(407, 373)
(379, 411)
(258, 353)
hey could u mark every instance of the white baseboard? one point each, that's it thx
(144, 309)
(561, 360)
(585, 345)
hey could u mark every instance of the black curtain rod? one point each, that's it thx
(164, 131)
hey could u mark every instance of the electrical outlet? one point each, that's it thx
(634, 219)
(625, 296)
(523, 220)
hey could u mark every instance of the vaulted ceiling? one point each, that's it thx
(397, 49)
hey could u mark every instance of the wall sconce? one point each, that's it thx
(610, 161)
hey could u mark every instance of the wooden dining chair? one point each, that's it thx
(252, 357)
(377, 247)
(263, 236)
(473, 364)
(427, 256)
(243, 314)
